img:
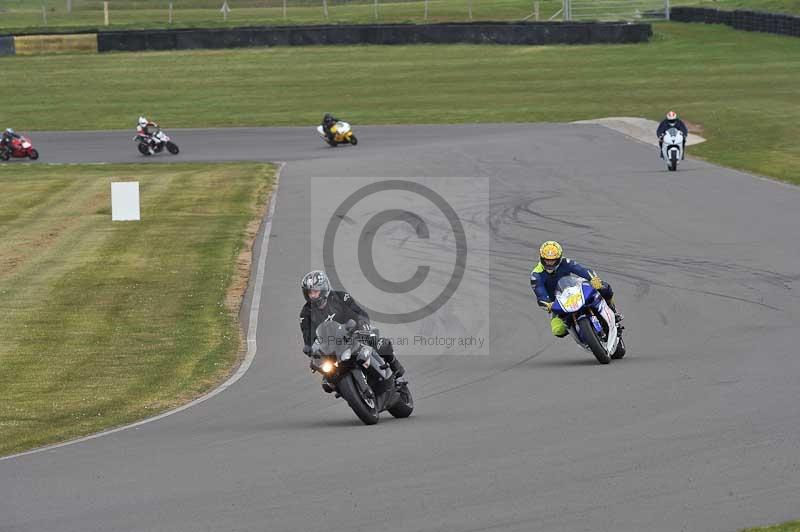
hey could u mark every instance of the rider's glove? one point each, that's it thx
(365, 326)
(548, 306)
(307, 350)
(596, 283)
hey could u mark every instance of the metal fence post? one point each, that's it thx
(44, 13)
(69, 7)
(170, 13)
(666, 9)
(105, 12)
(469, 4)
(376, 9)
(284, 9)
(325, 8)
(426, 9)
(536, 10)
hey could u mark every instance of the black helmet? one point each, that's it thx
(327, 118)
(316, 280)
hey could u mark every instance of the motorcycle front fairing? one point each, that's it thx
(573, 296)
(672, 140)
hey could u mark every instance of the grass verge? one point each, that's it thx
(105, 323)
(741, 87)
(791, 526)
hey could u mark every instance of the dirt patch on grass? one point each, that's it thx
(694, 127)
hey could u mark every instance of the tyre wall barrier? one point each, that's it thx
(6, 45)
(779, 23)
(473, 33)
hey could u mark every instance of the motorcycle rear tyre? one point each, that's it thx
(348, 389)
(4, 155)
(592, 341)
(143, 149)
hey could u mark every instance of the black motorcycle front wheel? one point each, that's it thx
(364, 407)
(590, 337)
(172, 148)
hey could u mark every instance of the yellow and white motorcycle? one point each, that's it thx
(342, 134)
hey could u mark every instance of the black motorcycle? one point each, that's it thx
(354, 370)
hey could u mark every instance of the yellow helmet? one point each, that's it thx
(550, 255)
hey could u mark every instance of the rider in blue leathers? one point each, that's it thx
(552, 266)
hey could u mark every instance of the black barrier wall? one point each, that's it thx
(474, 33)
(740, 19)
(6, 45)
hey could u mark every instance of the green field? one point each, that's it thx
(104, 323)
(793, 526)
(26, 15)
(740, 87)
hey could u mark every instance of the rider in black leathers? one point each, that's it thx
(671, 121)
(323, 304)
(327, 122)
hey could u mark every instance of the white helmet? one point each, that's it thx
(142, 121)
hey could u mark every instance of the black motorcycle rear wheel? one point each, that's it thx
(143, 149)
(405, 405)
(590, 336)
(367, 413)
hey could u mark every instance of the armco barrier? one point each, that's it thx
(474, 33)
(779, 23)
(6, 45)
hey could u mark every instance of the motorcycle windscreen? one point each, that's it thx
(569, 293)
(334, 339)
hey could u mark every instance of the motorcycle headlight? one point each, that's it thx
(327, 367)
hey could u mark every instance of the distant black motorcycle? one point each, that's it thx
(355, 371)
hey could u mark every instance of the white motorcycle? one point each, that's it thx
(156, 143)
(672, 148)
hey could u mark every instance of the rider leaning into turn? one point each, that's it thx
(552, 266)
(671, 121)
(323, 304)
(143, 128)
(327, 123)
(8, 136)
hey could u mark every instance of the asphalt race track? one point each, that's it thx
(697, 429)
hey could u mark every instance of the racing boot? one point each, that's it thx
(617, 316)
(397, 368)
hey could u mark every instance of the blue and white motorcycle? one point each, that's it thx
(589, 318)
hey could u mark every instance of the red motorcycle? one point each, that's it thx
(20, 149)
